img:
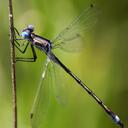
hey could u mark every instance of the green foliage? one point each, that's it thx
(102, 64)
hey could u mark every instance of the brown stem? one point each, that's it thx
(13, 73)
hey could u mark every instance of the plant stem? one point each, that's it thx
(13, 72)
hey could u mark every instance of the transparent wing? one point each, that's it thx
(50, 76)
(59, 84)
(42, 98)
(79, 27)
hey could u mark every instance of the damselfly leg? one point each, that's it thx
(22, 47)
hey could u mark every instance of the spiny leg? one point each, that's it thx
(18, 46)
(30, 59)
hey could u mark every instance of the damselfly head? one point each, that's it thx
(27, 32)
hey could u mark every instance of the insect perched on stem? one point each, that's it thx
(79, 25)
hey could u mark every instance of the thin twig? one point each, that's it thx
(13, 73)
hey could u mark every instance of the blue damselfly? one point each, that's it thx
(72, 32)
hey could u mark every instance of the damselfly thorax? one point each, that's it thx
(41, 43)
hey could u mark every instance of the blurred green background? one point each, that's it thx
(102, 64)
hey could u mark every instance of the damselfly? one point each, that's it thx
(72, 32)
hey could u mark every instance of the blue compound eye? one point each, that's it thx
(25, 35)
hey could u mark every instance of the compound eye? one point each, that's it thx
(31, 28)
(25, 34)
